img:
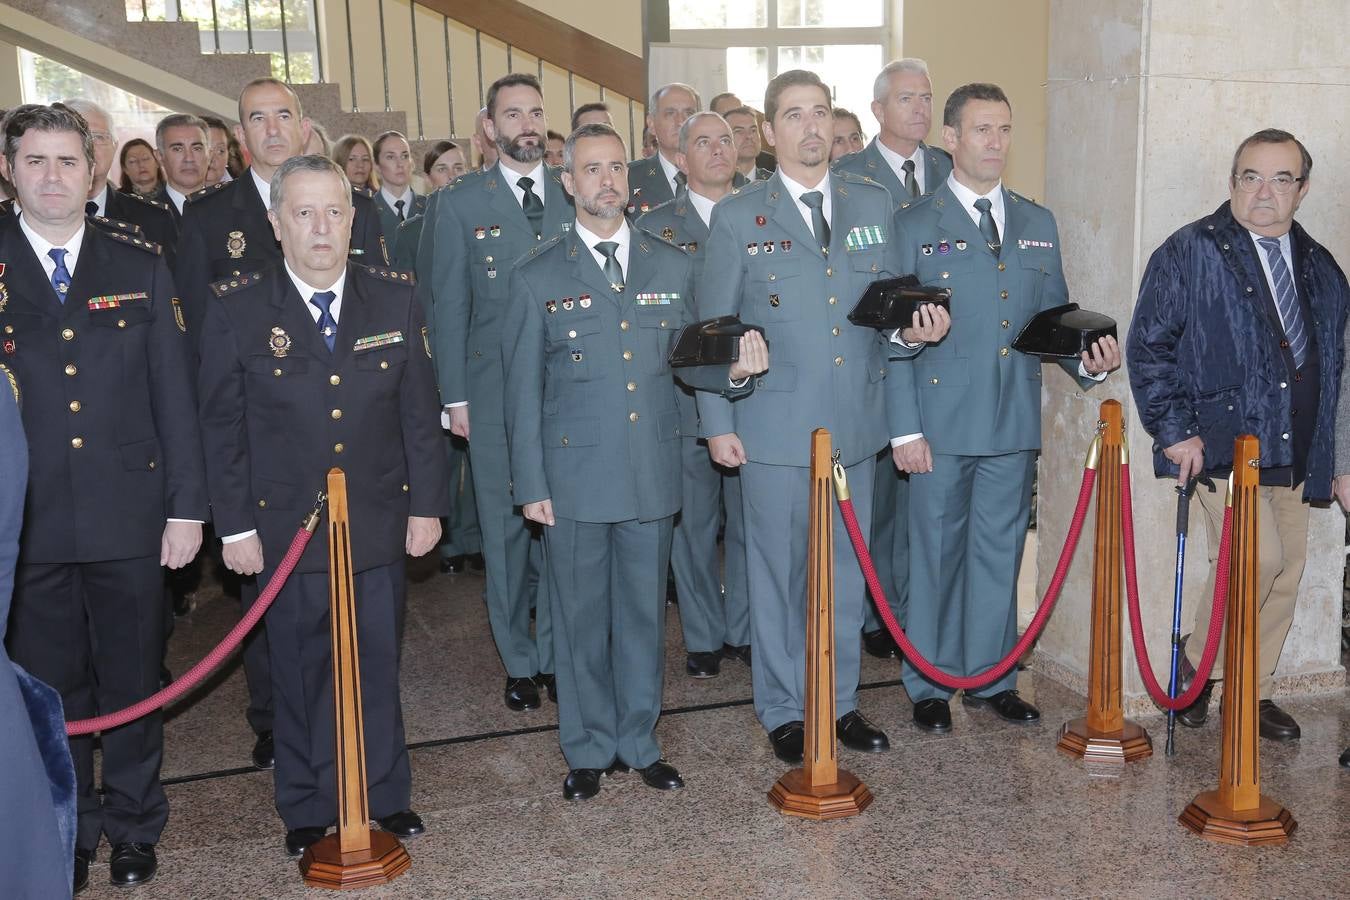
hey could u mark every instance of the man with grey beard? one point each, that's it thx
(476, 229)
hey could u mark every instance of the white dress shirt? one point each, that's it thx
(264, 188)
(897, 163)
(537, 175)
(703, 206)
(622, 237)
(306, 291)
(406, 197)
(1286, 250)
(796, 190)
(176, 196)
(671, 171)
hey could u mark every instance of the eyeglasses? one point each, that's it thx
(101, 137)
(1250, 182)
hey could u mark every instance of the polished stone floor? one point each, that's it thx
(990, 810)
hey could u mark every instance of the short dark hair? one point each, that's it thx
(379, 141)
(712, 104)
(274, 82)
(951, 113)
(36, 117)
(515, 79)
(841, 113)
(741, 111)
(215, 122)
(1273, 136)
(311, 163)
(437, 150)
(591, 130)
(587, 108)
(552, 135)
(178, 120)
(791, 78)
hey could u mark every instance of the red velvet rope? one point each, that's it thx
(192, 677)
(1136, 624)
(989, 676)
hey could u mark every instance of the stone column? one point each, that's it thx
(1147, 101)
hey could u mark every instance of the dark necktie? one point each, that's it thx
(816, 200)
(90, 208)
(613, 271)
(911, 184)
(1286, 300)
(61, 275)
(327, 324)
(533, 206)
(988, 227)
(681, 181)
(398, 208)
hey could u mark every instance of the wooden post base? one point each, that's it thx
(324, 864)
(1269, 823)
(1113, 748)
(793, 795)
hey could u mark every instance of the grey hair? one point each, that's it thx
(676, 85)
(36, 117)
(882, 86)
(689, 124)
(87, 108)
(311, 163)
(179, 120)
(592, 130)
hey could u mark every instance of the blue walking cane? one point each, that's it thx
(1183, 525)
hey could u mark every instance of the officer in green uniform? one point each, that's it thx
(965, 417)
(475, 231)
(908, 168)
(395, 201)
(714, 612)
(654, 181)
(594, 431)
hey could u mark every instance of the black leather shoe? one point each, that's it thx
(856, 733)
(452, 565)
(1276, 724)
(703, 665)
(1007, 705)
(1195, 715)
(737, 651)
(933, 714)
(264, 752)
(1345, 759)
(404, 824)
(299, 839)
(521, 694)
(84, 857)
(662, 776)
(581, 784)
(132, 863)
(475, 561)
(549, 683)
(787, 741)
(880, 644)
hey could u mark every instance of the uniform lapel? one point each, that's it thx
(1014, 226)
(955, 220)
(557, 205)
(588, 270)
(641, 267)
(90, 270)
(841, 214)
(880, 171)
(691, 223)
(786, 215)
(29, 284)
(933, 176)
(504, 199)
(354, 319)
(294, 317)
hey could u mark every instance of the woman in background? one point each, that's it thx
(140, 170)
(357, 158)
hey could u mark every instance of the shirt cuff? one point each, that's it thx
(1084, 373)
(232, 538)
(189, 521)
(906, 439)
(739, 384)
(897, 339)
(457, 404)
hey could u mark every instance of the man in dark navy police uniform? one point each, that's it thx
(91, 331)
(316, 363)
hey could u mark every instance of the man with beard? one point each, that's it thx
(180, 148)
(656, 180)
(714, 611)
(591, 314)
(907, 167)
(226, 234)
(791, 254)
(476, 229)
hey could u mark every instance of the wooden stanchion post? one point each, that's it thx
(1237, 813)
(356, 855)
(820, 790)
(1105, 736)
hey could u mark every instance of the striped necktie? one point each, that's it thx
(1286, 301)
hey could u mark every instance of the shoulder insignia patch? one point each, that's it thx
(147, 246)
(116, 224)
(206, 191)
(389, 275)
(227, 286)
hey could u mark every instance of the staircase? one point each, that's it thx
(417, 67)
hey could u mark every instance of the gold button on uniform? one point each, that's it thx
(1005, 323)
(1003, 295)
(623, 326)
(74, 406)
(338, 448)
(70, 369)
(77, 443)
(632, 386)
(152, 463)
(276, 372)
(9, 329)
(838, 360)
(68, 334)
(405, 489)
(1001, 267)
(835, 331)
(632, 417)
(932, 381)
(262, 504)
(121, 323)
(1003, 351)
(663, 323)
(564, 440)
(384, 364)
(833, 301)
(829, 271)
(572, 333)
(335, 380)
(627, 354)
(336, 414)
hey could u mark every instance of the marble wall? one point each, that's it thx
(1146, 103)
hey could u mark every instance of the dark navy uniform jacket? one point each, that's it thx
(107, 398)
(278, 410)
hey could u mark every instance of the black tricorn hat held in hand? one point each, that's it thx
(890, 303)
(1063, 332)
(712, 342)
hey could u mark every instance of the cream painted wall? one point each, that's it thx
(987, 40)
(618, 22)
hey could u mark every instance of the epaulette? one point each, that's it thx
(116, 225)
(1018, 197)
(746, 190)
(544, 245)
(918, 201)
(157, 204)
(206, 191)
(147, 246)
(662, 238)
(364, 191)
(851, 178)
(389, 274)
(227, 286)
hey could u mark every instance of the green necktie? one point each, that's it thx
(911, 183)
(613, 271)
(988, 228)
(533, 206)
(815, 200)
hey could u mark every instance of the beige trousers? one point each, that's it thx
(1282, 542)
